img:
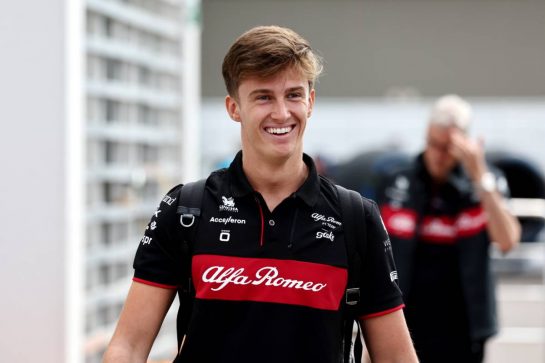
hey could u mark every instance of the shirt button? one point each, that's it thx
(271, 222)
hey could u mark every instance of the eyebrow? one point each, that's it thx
(259, 91)
(298, 88)
(268, 91)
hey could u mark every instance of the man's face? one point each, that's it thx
(438, 156)
(273, 114)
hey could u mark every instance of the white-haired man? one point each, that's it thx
(442, 212)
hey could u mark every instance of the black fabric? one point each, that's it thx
(352, 212)
(458, 349)
(448, 286)
(436, 270)
(236, 225)
(379, 266)
(239, 186)
(158, 254)
(190, 200)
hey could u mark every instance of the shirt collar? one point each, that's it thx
(240, 186)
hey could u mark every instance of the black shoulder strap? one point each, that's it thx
(353, 214)
(189, 209)
(190, 201)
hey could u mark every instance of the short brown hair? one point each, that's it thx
(264, 51)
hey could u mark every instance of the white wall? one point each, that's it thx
(37, 186)
(341, 128)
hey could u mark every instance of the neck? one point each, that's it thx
(275, 181)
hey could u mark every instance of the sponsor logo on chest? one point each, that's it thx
(168, 200)
(267, 276)
(393, 276)
(228, 205)
(227, 220)
(146, 240)
(325, 234)
(268, 280)
(326, 221)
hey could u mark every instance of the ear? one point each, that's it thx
(311, 98)
(232, 108)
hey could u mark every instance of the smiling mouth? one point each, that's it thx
(279, 130)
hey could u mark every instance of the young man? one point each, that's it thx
(269, 264)
(441, 213)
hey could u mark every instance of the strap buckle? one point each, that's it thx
(185, 217)
(352, 296)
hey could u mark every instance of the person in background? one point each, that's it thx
(442, 212)
(269, 262)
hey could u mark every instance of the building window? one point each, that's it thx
(109, 152)
(144, 112)
(121, 232)
(103, 315)
(92, 152)
(150, 191)
(113, 69)
(144, 76)
(107, 24)
(147, 153)
(115, 153)
(111, 110)
(104, 277)
(106, 233)
(92, 109)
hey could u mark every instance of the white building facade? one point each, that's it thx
(141, 60)
(102, 98)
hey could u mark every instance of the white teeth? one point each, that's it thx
(278, 130)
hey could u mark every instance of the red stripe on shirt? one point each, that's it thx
(269, 280)
(471, 221)
(448, 229)
(384, 312)
(437, 229)
(400, 222)
(146, 282)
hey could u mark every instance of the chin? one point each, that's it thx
(439, 176)
(283, 150)
(282, 155)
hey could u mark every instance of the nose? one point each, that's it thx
(280, 111)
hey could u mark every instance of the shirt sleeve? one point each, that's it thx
(380, 291)
(158, 260)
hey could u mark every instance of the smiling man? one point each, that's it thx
(269, 262)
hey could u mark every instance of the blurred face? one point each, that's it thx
(438, 157)
(273, 114)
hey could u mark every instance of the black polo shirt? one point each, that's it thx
(441, 248)
(269, 285)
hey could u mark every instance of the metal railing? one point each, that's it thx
(528, 259)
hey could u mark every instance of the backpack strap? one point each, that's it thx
(190, 201)
(353, 213)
